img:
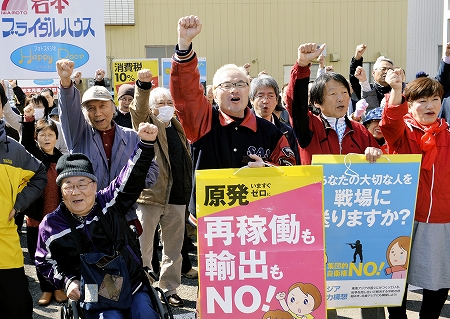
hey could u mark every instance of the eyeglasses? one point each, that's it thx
(268, 97)
(126, 99)
(69, 188)
(384, 69)
(228, 85)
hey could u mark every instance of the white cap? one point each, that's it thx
(96, 92)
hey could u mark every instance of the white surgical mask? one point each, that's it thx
(39, 114)
(165, 113)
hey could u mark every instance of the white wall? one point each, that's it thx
(424, 34)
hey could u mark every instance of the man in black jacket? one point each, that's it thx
(263, 95)
(379, 86)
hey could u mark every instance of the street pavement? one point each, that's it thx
(188, 292)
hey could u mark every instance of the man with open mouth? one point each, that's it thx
(226, 135)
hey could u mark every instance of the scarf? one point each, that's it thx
(2, 131)
(338, 125)
(427, 142)
(381, 90)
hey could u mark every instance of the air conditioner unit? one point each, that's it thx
(335, 57)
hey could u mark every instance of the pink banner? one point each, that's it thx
(264, 258)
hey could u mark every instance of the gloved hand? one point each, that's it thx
(361, 107)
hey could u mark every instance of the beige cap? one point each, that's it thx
(96, 92)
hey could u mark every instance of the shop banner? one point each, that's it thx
(30, 87)
(261, 243)
(369, 215)
(37, 33)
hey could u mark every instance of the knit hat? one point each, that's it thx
(125, 89)
(76, 164)
(96, 92)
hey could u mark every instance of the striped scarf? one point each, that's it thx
(2, 131)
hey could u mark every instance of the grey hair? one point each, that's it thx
(263, 81)
(382, 59)
(156, 93)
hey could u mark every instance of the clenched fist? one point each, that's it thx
(147, 132)
(309, 52)
(188, 28)
(64, 67)
(145, 75)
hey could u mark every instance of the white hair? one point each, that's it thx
(156, 93)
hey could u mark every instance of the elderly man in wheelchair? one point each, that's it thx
(86, 246)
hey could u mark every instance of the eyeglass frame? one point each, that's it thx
(232, 85)
(383, 69)
(122, 98)
(79, 186)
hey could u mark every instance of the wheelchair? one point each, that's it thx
(72, 309)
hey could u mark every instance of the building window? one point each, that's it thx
(368, 66)
(159, 52)
(119, 12)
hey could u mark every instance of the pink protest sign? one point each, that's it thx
(261, 245)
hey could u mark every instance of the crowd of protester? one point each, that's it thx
(68, 165)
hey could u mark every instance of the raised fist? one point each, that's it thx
(147, 132)
(144, 75)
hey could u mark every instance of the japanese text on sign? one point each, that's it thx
(215, 194)
(49, 27)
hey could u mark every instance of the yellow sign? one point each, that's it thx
(125, 71)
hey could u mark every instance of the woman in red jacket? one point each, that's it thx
(410, 124)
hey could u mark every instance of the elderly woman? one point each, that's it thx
(164, 204)
(90, 224)
(411, 125)
(372, 124)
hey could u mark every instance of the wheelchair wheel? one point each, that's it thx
(65, 312)
(71, 310)
(155, 293)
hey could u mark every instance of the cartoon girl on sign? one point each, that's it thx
(302, 299)
(397, 257)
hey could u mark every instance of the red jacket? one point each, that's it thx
(403, 135)
(313, 132)
(219, 141)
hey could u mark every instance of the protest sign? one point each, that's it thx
(260, 241)
(125, 71)
(369, 215)
(166, 64)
